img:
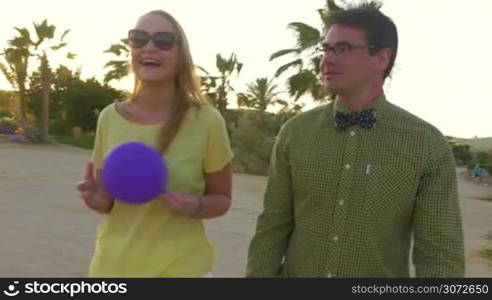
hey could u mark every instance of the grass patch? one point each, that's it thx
(487, 253)
(484, 198)
(85, 141)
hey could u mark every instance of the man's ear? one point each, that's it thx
(383, 58)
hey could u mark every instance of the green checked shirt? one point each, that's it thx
(347, 203)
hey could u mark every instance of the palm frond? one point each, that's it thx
(283, 52)
(64, 34)
(118, 70)
(118, 49)
(300, 83)
(24, 34)
(43, 31)
(307, 36)
(292, 64)
(9, 75)
(19, 42)
(58, 47)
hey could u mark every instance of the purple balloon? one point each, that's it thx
(134, 173)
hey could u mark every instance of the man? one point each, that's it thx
(352, 182)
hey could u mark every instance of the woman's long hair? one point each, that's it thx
(186, 83)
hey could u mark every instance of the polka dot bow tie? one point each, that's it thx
(365, 119)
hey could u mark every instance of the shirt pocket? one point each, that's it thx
(390, 189)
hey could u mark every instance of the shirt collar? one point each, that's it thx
(378, 104)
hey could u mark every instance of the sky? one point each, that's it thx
(441, 72)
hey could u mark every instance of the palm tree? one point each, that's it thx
(259, 94)
(46, 44)
(22, 47)
(218, 87)
(118, 68)
(15, 70)
(307, 58)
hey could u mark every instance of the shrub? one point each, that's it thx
(462, 154)
(27, 132)
(5, 113)
(84, 100)
(59, 127)
(7, 125)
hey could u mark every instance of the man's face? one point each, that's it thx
(347, 65)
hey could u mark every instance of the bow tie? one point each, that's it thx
(365, 119)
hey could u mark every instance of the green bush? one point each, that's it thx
(252, 146)
(253, 135)
(488, 168)
(7, 125)
(35, 135)
(84, 100)
(30, 132)
(462, 154)
(5, 113)
(7, 102)
(59, 127)
(487, 253)
(73, 101)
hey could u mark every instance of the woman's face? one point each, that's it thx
(154, 60)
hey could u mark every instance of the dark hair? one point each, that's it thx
(379, 29)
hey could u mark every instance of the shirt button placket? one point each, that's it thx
(340, 213)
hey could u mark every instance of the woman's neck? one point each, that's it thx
(156, 97)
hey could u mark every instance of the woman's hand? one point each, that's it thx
(93, 193)
(215, 202)
(182, 204)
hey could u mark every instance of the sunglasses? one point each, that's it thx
(162, 40)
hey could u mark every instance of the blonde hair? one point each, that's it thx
(187, 85)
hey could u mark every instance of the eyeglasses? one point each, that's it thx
(342, 48)
(163, 40)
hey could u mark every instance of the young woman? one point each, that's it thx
(165, 237)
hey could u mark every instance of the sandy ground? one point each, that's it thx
(47, 232)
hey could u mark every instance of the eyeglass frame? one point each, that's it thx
(337, 53)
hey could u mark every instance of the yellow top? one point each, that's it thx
(147, 240)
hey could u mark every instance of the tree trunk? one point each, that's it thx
(222, 100)
(22, 103)
(21, 106)
(45, 83)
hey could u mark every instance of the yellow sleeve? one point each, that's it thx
(99, 149)
(218, 151)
